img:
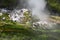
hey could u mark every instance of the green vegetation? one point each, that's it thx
(6, 21)
(15, 31)
(10, 30)
(9, 4)
(54, 5)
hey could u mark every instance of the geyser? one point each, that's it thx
(38, 8)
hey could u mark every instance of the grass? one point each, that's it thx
(16, 31)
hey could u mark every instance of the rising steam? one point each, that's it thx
(38, 8)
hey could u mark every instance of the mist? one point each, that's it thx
(38, 8)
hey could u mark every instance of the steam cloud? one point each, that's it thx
(38, 8)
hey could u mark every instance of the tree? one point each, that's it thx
(54, 6)
(9, 4)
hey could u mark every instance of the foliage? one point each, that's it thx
(8, 3)
(16, 31)
(54, 5)
(4, 16)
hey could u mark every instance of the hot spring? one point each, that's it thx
(43, 28)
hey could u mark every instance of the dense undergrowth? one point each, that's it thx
(54, 6)
(13, 31)
(10, 30)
